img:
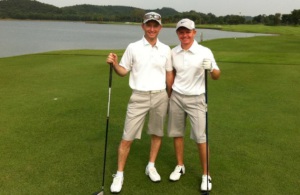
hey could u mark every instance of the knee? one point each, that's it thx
(125, 144)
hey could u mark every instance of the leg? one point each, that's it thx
(179, 169)
(157, 114)
(206, 184)
(203, 157)
(176, 129)
(179, 148)
(150, 169)
(123, 151)
(155, 146)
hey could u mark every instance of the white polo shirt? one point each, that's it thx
(190, 77)
(147, 65)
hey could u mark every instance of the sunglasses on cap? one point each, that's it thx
(152, 16)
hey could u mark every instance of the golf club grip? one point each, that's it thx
(109, 88)
(110, 75)
(206, 92)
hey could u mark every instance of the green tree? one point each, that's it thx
(277, 19)
(286, 19)
(137, 14)
(295, 16)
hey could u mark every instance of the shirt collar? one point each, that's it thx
(145, 42)
(192, 49)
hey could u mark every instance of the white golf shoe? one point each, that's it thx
(176, 174)
(204, 183)
(116, 186)
(152, 173)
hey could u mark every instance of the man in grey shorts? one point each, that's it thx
(151, 73)
(190, 61)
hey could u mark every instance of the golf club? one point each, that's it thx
(206, 130)
(106, 133)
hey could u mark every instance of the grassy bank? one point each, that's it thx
(53, 117)
(283, 30)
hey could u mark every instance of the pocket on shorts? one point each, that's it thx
(201, 102)
(132, 100)
(204, 104)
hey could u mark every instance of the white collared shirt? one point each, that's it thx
(147, 65)
(189, 79)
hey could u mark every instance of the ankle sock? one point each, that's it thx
(120, 174)
(150, 164)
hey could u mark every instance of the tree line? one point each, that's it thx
(34, 10)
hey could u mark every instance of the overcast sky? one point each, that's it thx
(216, 7)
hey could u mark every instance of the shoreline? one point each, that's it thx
(166, 25)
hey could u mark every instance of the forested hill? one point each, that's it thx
(32, 9)
(35, 10)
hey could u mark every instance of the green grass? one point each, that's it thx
(53, 118)
(284, 30)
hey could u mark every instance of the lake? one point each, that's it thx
(27, 37)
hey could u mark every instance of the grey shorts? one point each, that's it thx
(140, 104)
(194, 107)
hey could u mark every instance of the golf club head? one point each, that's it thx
(204, 192)
(98, 193)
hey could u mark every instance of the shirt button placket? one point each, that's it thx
(185, 62)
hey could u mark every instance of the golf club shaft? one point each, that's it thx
(107, 124)
(206, 128)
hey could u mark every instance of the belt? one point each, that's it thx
(148, 92)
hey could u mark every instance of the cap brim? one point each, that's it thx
(184, 27)
(147, 20)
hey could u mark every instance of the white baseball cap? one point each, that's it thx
(186, 23)
(152, 16)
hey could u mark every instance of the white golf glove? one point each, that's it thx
(206, 64)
